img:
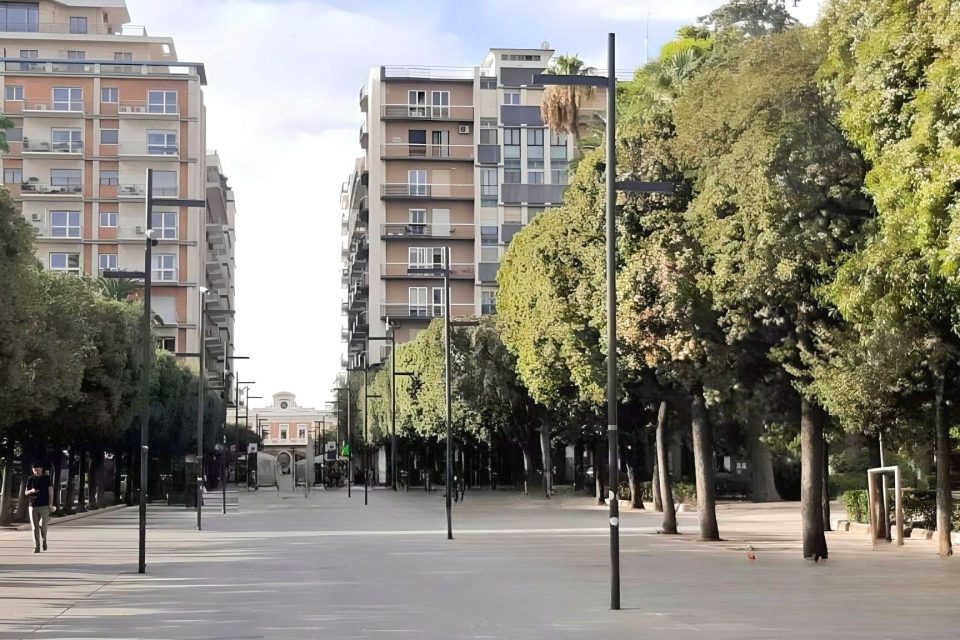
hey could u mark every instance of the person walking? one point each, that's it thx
(40, 492)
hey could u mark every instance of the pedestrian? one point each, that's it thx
(461, 487)
(40, 492)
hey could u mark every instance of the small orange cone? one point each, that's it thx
(751, 556)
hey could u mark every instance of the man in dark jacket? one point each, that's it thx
(40, 492)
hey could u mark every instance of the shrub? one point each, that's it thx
(684, 492)
(646, 490)
(856, 504)
(840, 483)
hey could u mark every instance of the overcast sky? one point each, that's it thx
(282, 110)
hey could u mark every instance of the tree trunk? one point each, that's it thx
(597, 473)
(527, 465)
(68, 499)
(117, 470)
(21, 514)
(703, 466)
(811, 480)
(663, 481)
(826, 487)
(944, 497)
(133, 460)
(636, 499)
(578, 483)
(761, 461)
(5, 491)
(655, 487)
(55, 466)
(547, 460)
(81, 498)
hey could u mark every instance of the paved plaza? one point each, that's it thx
(326, 566)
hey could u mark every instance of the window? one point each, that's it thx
(162, 102)
(12, 176)
(167, 344)
(520, 57)
(67, 99)
(20, 16)
(488, 302)
(108, 262)
(440, 102)
(487, 84)
(165, 184)
(417, 141)
(533, 212)
(417, 182)
(535, 149)
(558, 173)
(488, 236)
(488, 131)
(66, 140)
(417, 104)
(284, 429)
(489, 188)
(165, 267)
(301, 432)
(417, 302)
(78, 25)
(110, 95)
(76, 55)
(66, 178)
(109, 177)
(425, 257)
(29, 54)
(65, 224)
(418, 222)
(440, 144)
(535, 176)
(109, 219)
(511, 97)
(165, 225)
(265, 433)
(13, 92)
(66, 262)
(109, 136)
(15, 134)
(438, 304)
(123, 55)
(162, 143)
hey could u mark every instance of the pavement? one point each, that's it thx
(520, 567)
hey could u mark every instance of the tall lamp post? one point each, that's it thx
(246, 429)
(236, 410)
(610, 83)
(393, 404)
(348, 439)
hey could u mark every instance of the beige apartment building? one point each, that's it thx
(96, 102)
(455, 158)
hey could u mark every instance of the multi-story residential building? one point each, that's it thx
(458, 159)
(96, 102)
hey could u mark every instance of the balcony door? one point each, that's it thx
(417, 142)
(440, 104)
(417, 182)
(417, 104)
(437, 307)
(440, 144)
(418, 222)
(417, 302)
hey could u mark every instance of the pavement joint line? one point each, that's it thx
(75, 602)
(71, 517)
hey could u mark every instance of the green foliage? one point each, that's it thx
(857, 505)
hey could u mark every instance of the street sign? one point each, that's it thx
(251, 447)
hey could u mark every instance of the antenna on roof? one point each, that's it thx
(544, 45)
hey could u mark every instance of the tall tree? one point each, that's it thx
(561, 106)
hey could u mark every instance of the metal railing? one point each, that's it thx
(423, 311)
(46, 146)
(405, 270)
(427, 112)
(410, 190)
(434, 230)
(88, 29)
(140, 190)
(153, 68)
(437, 151)
(429, 73)
(36, 187)
(58, 106)
(144, 108)
(139, 149)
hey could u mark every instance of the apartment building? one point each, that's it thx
(455, 159)
(96, 102)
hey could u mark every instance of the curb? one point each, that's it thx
(71, 518)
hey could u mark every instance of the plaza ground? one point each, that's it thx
(326, 566)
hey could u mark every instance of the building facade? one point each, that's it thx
(95, 102)
(294, 434)
(458, 160)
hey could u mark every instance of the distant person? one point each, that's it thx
(460, 488)
(40, 492)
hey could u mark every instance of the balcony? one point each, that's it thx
(407, 191)
(150, 151)
(416, 231)
(407, 151)
(147, 111)
(449, 113)
(54, 109)
(394, 72)
(401, 311)
(364, 136)
(36, 188)
(458, 271)
(153, 69)
(285, 442)
(89, 29)
(46, 147)
(140, 190)
(363, 98)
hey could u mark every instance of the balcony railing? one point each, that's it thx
(141, 108)
(87, 67)
(36, 187)
(427, 151)
(408, 311)
(32, 145)
(89, 29)
(284, 442)
(459, 271)
(61, 107)
(141, 149)
(411, 230)
(403, 190)
(462, 113)
(428, 73)
(140, 190)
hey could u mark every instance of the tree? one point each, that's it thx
(779, 203)
(749, 18)
(892, 66)
(560, 106)
(118, 288)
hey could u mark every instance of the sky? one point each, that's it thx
(283, 112)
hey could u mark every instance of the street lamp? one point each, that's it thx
(246, 429)
(393, 403)
(349, 437)
(610, 82)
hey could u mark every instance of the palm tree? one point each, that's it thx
(560, 107)
(118, 288)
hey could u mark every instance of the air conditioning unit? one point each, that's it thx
(464, 128)
(140, 109)
(37, 217)
(40, 107)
